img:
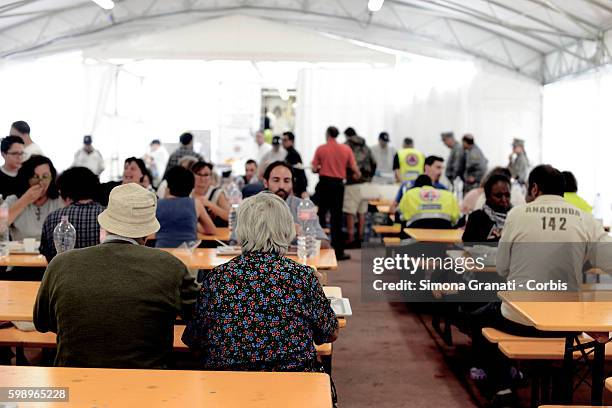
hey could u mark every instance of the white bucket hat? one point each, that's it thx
(130, 212)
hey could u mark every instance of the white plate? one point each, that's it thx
(341, 306)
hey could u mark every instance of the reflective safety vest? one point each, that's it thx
(578, 202)
(428, 203)
(411, 162)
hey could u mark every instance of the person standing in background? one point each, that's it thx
(408, 162)
(455, 164)
(12, 153)
(518, 162)
(331, 161)
(89, 157)
(156, 159)
(295, 160)
(22, 129)
(383, 155)
(475, 164)
(276, 154)
(186, 149)
(262, 147)
(354, 203)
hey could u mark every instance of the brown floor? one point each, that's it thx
(385, 357)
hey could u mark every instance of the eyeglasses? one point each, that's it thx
(16, 154)
(203, 174)
(38, 179)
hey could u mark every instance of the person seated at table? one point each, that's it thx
(261, 311)
(434, 167)
(486, 225)
(546, 240)
(424, 206)
(278, 179)
(113, 305)
(37, 196)
(571, 193)
(185, 162)
(211, 196)
(180, 216)
(475, 198)
(77, 187)
(134, 171)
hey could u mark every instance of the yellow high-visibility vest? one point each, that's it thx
(426, 203)
(578, 202)
(411, 163)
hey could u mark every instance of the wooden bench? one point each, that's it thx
(390, 241)
(497, 336)
(540, 350)
(387, 229)
(13, 337)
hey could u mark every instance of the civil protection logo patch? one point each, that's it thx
(412, 160)
(430, 195)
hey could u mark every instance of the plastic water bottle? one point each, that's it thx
(64, 236)
(235, 198)
(4, 228)
(307, 216)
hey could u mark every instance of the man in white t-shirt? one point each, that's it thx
(157, 159)
(546, 241)
(262, 148)
(22, 129)
(89, 157)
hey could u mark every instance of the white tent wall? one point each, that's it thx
(576, 134)
(421, 99)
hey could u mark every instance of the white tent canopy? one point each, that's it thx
(236, 38)
(543, 39)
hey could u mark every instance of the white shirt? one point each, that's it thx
(384, 158)
(92, 160)
(160, 160)
(550, 240)
(271, 157)
(31, 150)
(261, 151)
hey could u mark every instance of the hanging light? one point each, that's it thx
(105, 4)
(375, 5)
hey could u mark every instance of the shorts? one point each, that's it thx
(353, 200)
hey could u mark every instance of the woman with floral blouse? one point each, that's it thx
(261, 311)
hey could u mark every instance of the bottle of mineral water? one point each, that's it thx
(235, 198)
(307, 216)
(4, 228)
(64, 236)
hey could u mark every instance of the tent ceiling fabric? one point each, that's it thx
(542, 39)
(273, 42)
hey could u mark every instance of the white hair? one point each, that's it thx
(264, 223)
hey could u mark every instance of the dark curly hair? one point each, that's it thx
(26, 172)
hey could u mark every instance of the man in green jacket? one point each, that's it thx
(114, 305)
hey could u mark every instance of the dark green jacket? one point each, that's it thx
(114, 305)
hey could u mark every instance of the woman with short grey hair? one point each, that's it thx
(261, 311)
(265, 224)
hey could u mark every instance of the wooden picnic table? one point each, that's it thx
(570, 312)
(200, 258)
(156, 388)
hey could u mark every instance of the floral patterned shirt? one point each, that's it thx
(260, 312)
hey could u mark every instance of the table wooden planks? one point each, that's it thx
(200, 258)
(449, 236)
(207, 258)
(17, 300)
(157, 388)
(579, 311)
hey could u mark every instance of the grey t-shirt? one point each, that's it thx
(30, 222)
